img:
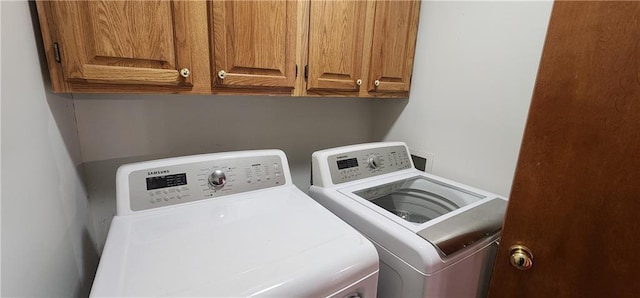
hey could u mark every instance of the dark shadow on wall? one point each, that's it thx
(385, 114)
(63, 112)
(61, 105)
(90, 261)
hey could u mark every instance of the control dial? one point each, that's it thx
(217, 179)
(373, 162)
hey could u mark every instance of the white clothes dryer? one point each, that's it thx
(435, 237)
(228, 225)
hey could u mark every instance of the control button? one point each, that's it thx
(258, 179)
(276, 166)
(158, 200)
(268, 177)
(248, 180)
(178, 190)
(179, 197)
(152, 201)
(172, 198)
(151, 193)
(166, 199)
(217, 179)
(277, 175)
(373, 162)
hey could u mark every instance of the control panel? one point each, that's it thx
(180, 183)
(360, 164)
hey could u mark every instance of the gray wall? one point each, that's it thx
(47, 249)
(474, 72)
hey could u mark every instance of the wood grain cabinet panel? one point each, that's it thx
(362, 48)
(394, 39)
(271, 47)
(336, 39)
(120, 42)
(254, 43)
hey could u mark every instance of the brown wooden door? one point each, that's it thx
(122, 42)
(575, 200)
(394, 43)
(254, 43)
(336, 40)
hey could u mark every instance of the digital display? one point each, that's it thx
(347, 163)
(166, 181)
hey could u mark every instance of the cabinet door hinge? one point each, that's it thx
(306, 71)
(296, 70)
(56, 52)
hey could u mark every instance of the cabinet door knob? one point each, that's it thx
(184, 72)
(222, 74)
(376, 83)
(359, 82)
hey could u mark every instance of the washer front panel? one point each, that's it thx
(360, 164)
(171, 185)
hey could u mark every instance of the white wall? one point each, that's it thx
(46, 245)
(474, 72)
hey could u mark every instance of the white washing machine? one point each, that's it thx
(435, 237)
(228, 225)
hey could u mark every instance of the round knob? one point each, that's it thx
(376, 83)
(184, 72)
(222, 74)
(373, 162)
(359, 82)
(521, 257)
(217, 179)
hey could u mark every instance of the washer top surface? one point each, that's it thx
(275, 241)
(449, 215)
(400, 207)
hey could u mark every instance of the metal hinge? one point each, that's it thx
(296, 70)
(306, 71)
(56, 52)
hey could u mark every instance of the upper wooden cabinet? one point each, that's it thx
(254, 43)
(293, 47)
(394, 42)
(336, 39)
(362, 48)
(120, 42)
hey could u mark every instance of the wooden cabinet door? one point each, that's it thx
(336, 39)
(122, 42)
(254, 43)
(393, 47)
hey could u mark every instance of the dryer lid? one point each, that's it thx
(271, 243)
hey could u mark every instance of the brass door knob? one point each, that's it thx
(521, 257)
